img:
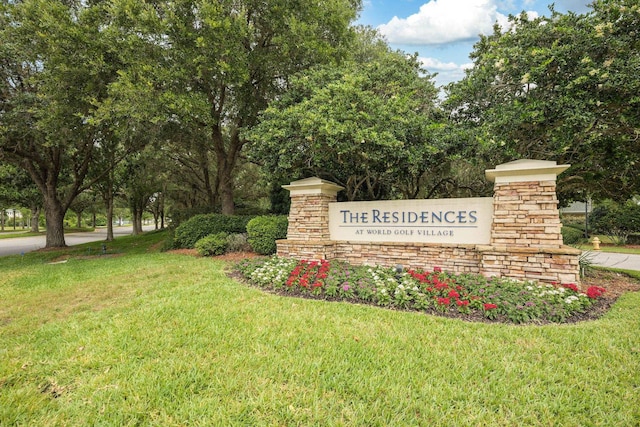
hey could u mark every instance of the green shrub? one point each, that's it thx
(572, 235)
(263, 231)
(213, 244)
(616, 220)
(237, 242)
(199, 226)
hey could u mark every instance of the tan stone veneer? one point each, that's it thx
(525, 243)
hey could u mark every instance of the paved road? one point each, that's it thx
(18, 245)
(615, 260)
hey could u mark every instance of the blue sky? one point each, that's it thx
(443, 32)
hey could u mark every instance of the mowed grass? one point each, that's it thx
(147, 338)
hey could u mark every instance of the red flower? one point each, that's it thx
(437, 269)
(571, 286)
(489, 306)
(595, 291)
(440, 285)
(462, 303)
(317, 284)
(454, 294)
(444, 301)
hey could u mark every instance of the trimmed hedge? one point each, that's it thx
(199, 226)
(263, 231)
(572, 235)
(213, 244)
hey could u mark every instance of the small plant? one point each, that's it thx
(213, 244)
(585, 262)
(237, 242)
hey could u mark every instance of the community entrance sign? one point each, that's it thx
(418, 221)
(515, 233)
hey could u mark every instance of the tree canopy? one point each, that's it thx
(370, 126)
(215, 65)
(53, 66)
(564, 88)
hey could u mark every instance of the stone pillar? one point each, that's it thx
(526, 239)
(525, 205)
(308, 234)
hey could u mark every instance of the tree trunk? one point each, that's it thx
(109, 203)
(137, 203)
(137, 224)
(35, 219)
(225, 164)
(54, 215)
(79, 219)
(161, 208)
(136, 218)
(2, 219)
(226, 192)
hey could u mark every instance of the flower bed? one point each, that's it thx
(464, 295)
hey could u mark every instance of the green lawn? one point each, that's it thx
(138, 337)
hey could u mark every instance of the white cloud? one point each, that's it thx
(435, 65)
(445, 21)
(447, 72)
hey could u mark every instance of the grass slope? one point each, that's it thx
(147, 338)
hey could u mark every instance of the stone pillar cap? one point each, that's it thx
(526, 170)
(313, 185)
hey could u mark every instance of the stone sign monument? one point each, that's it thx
(515, 233)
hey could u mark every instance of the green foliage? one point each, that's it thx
(563, 87)
(572, 235)
(214, 66)
(617, 220)
(199, 226)
(237, 242)
(213, 244)
(263, 231)
(371, 126)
